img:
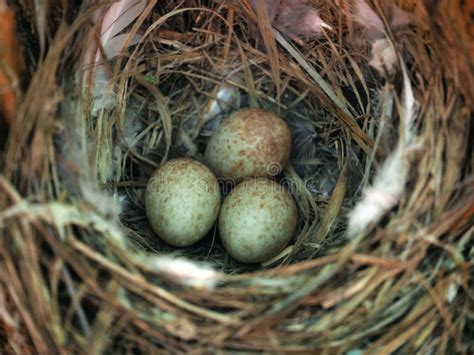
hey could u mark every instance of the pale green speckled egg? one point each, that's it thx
(182, 201)
(257, 220)
(252, 142)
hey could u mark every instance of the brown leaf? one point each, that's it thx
(11, 64)
(453, 36)
(293, 18)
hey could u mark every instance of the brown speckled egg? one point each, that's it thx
(182, 201)
(252, 142)
(257, 220)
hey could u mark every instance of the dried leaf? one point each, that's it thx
(297, 18)
(11, 64)
(294, 18)
(365, 16)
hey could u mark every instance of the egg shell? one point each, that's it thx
(257, 220)
(182, 201)
(252, 142)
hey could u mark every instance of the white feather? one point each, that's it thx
(192, 274)
(119, 16)
(383, 56)
(390, 181)
(116, 18)
(115, 45)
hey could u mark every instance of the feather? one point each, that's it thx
(365, 16)
(371, 21)
(115, 44)
(390, 181)
(115, 19)
(189, 273)
(383, 56)
(119, 16)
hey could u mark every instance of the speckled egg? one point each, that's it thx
(257, 220)
(182, 201)
(251, 142)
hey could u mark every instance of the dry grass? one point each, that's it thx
(82, 271)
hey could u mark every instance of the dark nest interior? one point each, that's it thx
(378, 96)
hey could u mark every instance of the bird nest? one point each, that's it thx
(378, 97)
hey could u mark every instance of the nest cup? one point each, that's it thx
(380, 170)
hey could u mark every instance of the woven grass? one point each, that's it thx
(82, 272)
